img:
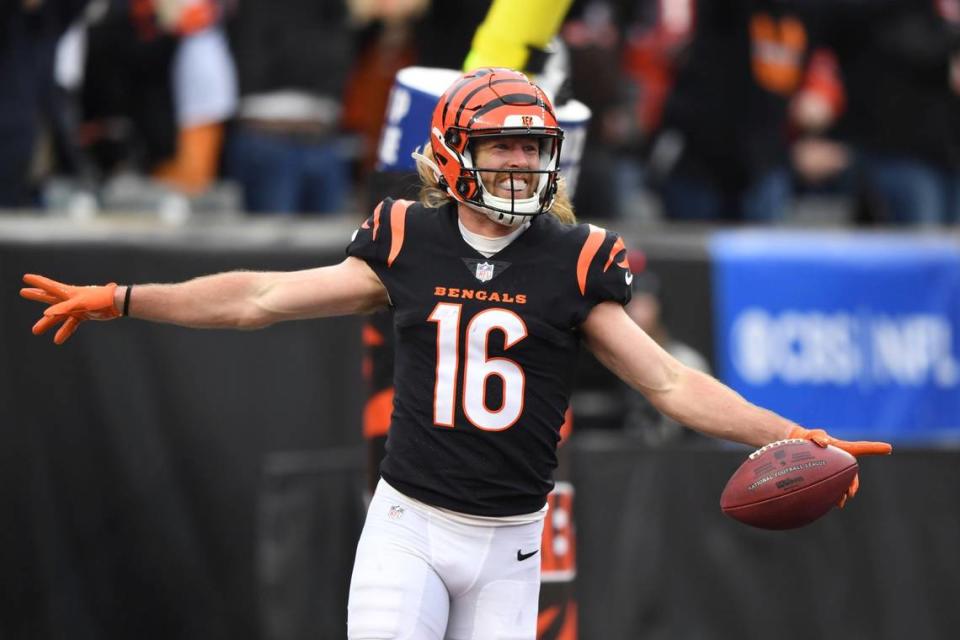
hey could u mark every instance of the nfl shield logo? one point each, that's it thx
(484, 271)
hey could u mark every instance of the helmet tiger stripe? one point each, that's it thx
(495, 103)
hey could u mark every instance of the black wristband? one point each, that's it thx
(126, 300)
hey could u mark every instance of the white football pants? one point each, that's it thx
(422, 575)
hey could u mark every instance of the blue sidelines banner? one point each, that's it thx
(855, 333)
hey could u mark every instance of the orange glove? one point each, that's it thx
(68, 304)
(859, 448)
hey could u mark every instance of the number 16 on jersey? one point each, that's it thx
(477, 367)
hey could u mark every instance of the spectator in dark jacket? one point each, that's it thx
(292, 59)
(900, 62)
(721, 152)
(29, 33)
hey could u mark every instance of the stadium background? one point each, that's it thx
(159, 482)
(162, 483)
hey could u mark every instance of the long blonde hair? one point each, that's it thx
(432, 195)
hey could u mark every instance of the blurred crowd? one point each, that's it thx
(703, 110)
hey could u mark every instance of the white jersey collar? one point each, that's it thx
(487, 246)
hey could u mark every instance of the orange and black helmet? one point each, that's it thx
(494, 103)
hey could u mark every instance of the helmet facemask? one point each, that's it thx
(488, 104)
(513, 211)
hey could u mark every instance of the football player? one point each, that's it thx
(522, 36)
(493, 292)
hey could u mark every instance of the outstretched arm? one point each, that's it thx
(691, 397)
(251, 300)
(239, 299)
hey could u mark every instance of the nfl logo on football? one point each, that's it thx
(484, 271)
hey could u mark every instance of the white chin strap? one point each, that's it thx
(524, 208)
(506, 219)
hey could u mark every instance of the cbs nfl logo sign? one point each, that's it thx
(484, 271)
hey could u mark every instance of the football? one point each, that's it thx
(787, 484)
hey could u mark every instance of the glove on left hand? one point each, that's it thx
(859, 448)
(69, 304)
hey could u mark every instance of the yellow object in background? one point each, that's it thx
(511, 29)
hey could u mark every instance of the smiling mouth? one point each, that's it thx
(518, 187)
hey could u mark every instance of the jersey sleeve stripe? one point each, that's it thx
(590, 247)
(376, 219)
(618, 246)
(398, 220)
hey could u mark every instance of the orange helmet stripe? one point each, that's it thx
(486, 97)
(452, 92)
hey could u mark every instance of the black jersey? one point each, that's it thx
(486, 350)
